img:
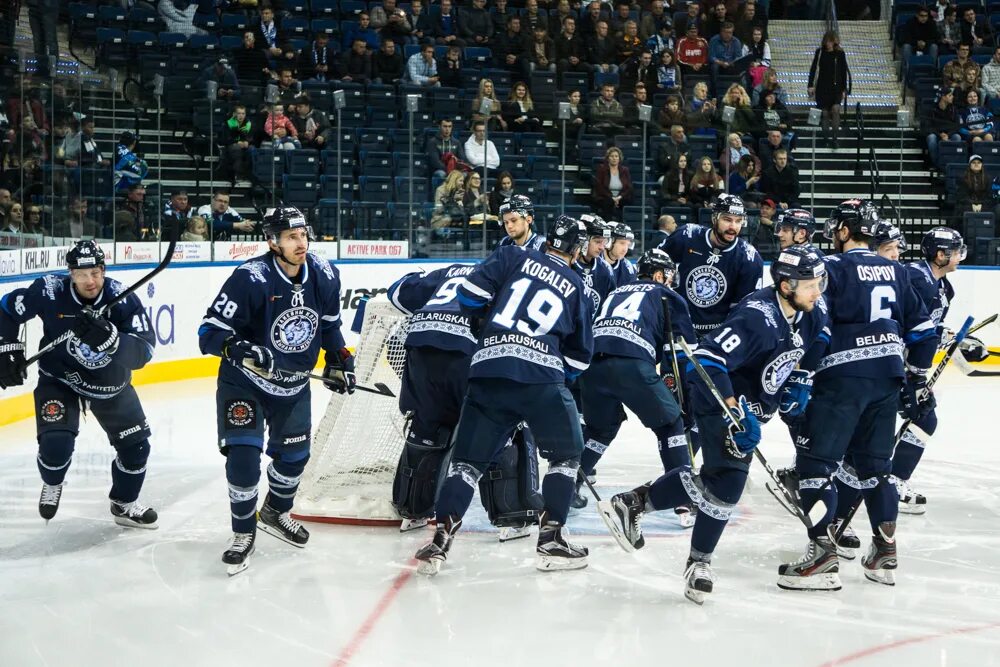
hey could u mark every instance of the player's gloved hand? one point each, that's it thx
(947, 335)
(916, 401)
(257, 358)
(13, 367)
(742, 442)
(795, 394)
(96, 332)
(973, 349)
(339, 375)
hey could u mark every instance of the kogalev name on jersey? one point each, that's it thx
(880, 339)
(876, 273)
(550, 276)
(518, 339)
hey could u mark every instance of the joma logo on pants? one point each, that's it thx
(129, 431)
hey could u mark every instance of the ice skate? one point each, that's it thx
(406, 525)
(686, 515)
(554, 552)
(817, 570)
(237, 556)
(848, 544)
(48, 503)
(880, 561)
(432, 555)
(134, 515)
(698, 581)
(508, 533)
(910, 502)
(281, 525)
(622, 514)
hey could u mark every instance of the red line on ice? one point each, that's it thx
(879, 648)
(361, 634)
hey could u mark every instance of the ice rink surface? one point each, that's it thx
(82, 591)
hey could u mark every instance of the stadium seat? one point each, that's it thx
(110, 16)
(375, 188)
(531, 143)
(303, 162)
(375, 163)
(325, 222)
(421, 193)
(545, 168)
(328, 186)
(301, 191)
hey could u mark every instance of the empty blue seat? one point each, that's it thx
(303, 162)
(375, 188)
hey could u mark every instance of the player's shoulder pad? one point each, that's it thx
(690, 230)
(52, 284)
(324, 268)
(749, 250)
(760, 308)
(606, 266)
(255, 269)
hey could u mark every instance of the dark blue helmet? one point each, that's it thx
(567, 235)
(517, 204)
(887, 232)
(943, 238)
(85, 255)
(797, 219)
(655, 260)
(857, 215)
(731, 204)
(277, 220)
(596, 226)
(798, 262)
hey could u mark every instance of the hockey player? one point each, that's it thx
(616, 254)
(795, 226)
(597, 274)
(889, 241)
(93, 370)
(517, 216)
(630, 339)
(717, 268)
(749, 357)
(268, 323)
(860, 381)
(943, 250)
(536, 335)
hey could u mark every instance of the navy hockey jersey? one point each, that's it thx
(936, 294)
(598, 280)
(538, 325)
(624, 272)
(431, 300)
(260, 304)
(874, 315)
(97, 375)
(754, 351)
(713, 280)
(632, 322)
(534, 242)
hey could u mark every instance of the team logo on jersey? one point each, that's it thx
(52, 411)
(776, 372)
(87, 357)
(295, 329)
(706, 286)
(595, 296)
(241, 414)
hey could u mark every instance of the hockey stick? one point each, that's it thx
(735, 424)
(580, 473)
(971, 372)
(164, 262)
(378, 388)
(678, 381)
(948, 354)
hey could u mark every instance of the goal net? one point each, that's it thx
(357, 444)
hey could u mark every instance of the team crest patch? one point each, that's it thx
(776, 373)
(295, 329)
(87, 357)
(706, 285)
(241, 414)
(53, 412)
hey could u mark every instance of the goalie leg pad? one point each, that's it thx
(418, 474)
(509, 487)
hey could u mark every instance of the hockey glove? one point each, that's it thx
(973, 349)
(13, 368)
(916, 400)
(339, 375)
(256, 358)
(96, 332)
(795, 395)
(743, 442)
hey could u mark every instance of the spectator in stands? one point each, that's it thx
(706, 184)
(177, 208)
(357, 63)
(494, 119)
(828, 82)
(772, 114)
(558, 15)
(663, 40)
(668, 74)
(920, 36)
(724, 50)
(531, 18)
(693, 19)
(288, 86)
(701, 110)
(508, 47)
(541, 51)
(730, 158)
(474, 201)
(640, 96)
(606, 113)
(621, 16)
(770, 82)
(318, 61)
(42, 17)
(222, 220)
(80, 149)
(973, 81)
(503, 189)
(639, 69)
(363, 31)
(772, 142)
(31, 140)
(12, 222)
(227, 85)
(271, 38)
(576, 124)
(443, 148)
(129, 167)
(743, 181)
(422, 68)
(178, 16)
(476, 25)
(135, 205)
(420, 19)
(238, 132)
(449, 198)
(280, 129)
(518, 111)
(976, 121)
(950, 31)
(692, 51)
(311, 125)
(991, 77)
(716, 20)
(500, 15)
(381, 15)
(125, 230)
(480, 152)
(251, 62)
(748, 21)
(744, 120)
(665, 226)
(954, 70)
(196, 231)
(570, 51)
(76, 223)
(675, 189)
(388, 65)
(975, 30)
(628, 43)
(974, 190)
(589, 20)
(653, 20)
(446, 26)
(764, 237)
(758, 55)
(612, 188)
(943, 124)
(450, 68)
(781, 181)
(601, 51)
(671, 114)
(33, 220)
(938, 9)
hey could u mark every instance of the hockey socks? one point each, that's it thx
(128, 471)
(283, 481)
(907, 454)
(672, 445)
(558, 488)
(457, 491)
(715, 495)
(55, 451)
(243, 475)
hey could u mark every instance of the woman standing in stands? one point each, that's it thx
(519, 110)
(612, 189)
(974, 191)
(828, 81)
(494, 120)
(668, 74)
(706, 184)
